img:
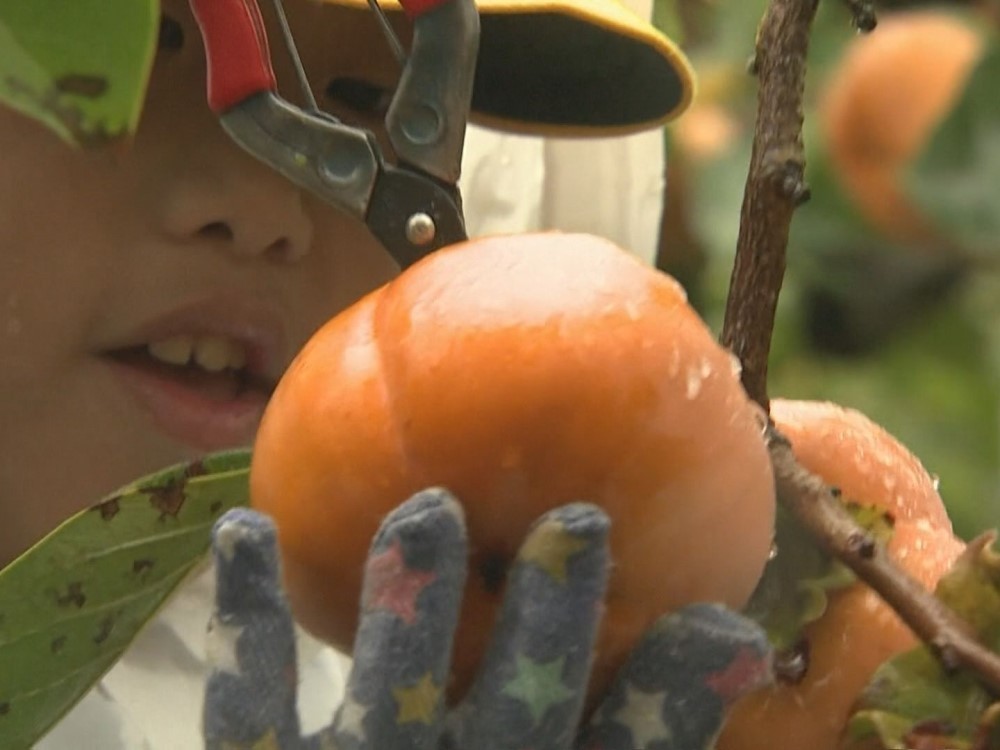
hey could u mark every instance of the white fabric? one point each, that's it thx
(151, 700)
(610, 187)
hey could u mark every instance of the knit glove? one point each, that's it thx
(671, 694)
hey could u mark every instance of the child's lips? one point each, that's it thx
(209, 396)
(205, 411)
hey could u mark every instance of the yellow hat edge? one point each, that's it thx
(607, 14)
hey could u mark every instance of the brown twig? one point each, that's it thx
(775, 187)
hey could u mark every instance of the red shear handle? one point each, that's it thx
(414, 8)
(239, 62)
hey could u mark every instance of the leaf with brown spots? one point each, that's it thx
(108, 509)
(90, 92)
(73, 596)
(75, 601)
(169, 499)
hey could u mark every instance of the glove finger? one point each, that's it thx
(674, 691)
(531, 687)
(251, 691)
(410, 601)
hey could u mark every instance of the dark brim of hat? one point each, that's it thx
(572, 68)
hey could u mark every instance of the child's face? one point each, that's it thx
(184, 244)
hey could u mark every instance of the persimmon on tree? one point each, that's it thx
(882, 103)
(857, 631)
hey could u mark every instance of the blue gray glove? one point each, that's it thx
(671, 695)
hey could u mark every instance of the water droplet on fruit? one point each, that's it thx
(705, 369)
(773, 551)
(693, 384)
(791, 665)
(936, 482)
(675, 362)
(735, 365)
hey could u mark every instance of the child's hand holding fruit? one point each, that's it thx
(530, 692)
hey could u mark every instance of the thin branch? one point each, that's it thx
(775, 187)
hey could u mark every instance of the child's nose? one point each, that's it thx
(232, 202)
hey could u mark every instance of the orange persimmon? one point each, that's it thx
(882, 103)
(520, 373)
(858, 631)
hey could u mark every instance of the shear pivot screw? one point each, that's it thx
(420, 229)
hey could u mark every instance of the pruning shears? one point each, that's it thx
(412, 206)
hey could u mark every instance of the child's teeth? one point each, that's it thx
(211, 353)
(214, 353)
(175, 350)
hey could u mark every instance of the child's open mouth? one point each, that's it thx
(214, 366)
(200, 389)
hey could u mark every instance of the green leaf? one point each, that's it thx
(971, 587)
(799, 577)
(70, 606)
(911, 697)
(955, 179)
(78, 66)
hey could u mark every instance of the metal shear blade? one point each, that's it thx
(412, 207)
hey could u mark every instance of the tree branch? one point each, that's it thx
(775, 187)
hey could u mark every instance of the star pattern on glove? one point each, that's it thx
(418, 702)
(268, 742)
(747, 669)
(394, 586)
(538, 685)
(642, 715)
(530, 694)
(551, 547)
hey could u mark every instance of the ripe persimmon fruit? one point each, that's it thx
(520, 373)
(882, 103)
(858, 631)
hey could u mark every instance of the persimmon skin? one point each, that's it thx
(882, 103)
(520, 373)
(858, 631)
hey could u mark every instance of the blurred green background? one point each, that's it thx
(891, 307)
